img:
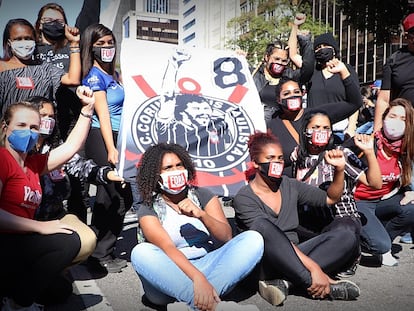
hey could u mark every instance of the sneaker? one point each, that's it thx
(406, 239)
(10, 305)
(178, 306)
(273, 291)
(105, 266)
(344, 290)
(234, 306)
(389, 260)
(351, 271)
(122, 263)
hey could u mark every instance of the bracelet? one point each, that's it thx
(74, 51)
(86, 115)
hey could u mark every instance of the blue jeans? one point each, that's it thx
(136, 195)
(366, 128)
(164, 282)
(384, 220)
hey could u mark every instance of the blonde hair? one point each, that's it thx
(8, 115)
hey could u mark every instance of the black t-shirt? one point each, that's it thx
(277, 127)
(398, 75)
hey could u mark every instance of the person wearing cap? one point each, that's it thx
(339, 89)
(398, 74)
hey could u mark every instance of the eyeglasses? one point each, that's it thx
(46, 20)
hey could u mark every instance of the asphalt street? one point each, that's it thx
(382, 288)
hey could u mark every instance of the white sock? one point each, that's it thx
(389, 260)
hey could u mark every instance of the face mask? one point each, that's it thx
(271, 173)
(104, 54)
(393, 128)
(276, 69)
(47, 124)
(292, 103)
(174, 182)
(53, 30)
(23, 140)
(23, 49)
(324, 55)
(318, 138)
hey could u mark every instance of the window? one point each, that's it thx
(189, 11)
(158, 6)
(189, 24)
(189, 38)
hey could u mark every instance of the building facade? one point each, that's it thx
(201, 23)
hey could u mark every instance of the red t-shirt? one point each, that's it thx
(21, 194)
(390, 173)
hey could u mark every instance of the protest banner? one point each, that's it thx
(202, 99)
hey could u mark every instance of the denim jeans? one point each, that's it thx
(164, 282)
(384, 220)
(366, 128)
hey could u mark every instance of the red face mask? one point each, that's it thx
(276, 70)
(318, 138)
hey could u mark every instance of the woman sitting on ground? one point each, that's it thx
(182, 228)
(268, 204)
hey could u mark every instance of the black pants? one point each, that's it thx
(111, 202)
(30, 262)
(332, 250)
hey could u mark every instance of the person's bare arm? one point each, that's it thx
(212, 217)
(61, 154)
(372, 177)
(294, 56)
(336, 158)
(380, 106)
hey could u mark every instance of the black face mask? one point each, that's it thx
(269, 176)
(53, 30)
(324, 55)
(293, 103)
(104, 54)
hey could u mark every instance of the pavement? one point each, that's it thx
(382, 288)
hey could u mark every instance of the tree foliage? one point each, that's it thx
(382, 18)
(270, 21)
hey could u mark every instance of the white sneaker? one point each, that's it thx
(10, 305)
(389, 260)
(233, 306)
(178, 306)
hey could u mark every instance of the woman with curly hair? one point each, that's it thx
(183, 229)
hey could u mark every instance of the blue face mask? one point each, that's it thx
(23, 140)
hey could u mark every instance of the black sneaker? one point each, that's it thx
(351, 271)
(111, 266)
(273, 291)
(344, 290)
(103, 266)
(122, 263)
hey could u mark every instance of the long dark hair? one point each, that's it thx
(52, 6)
(92, 34)
(149, 168)
(303, 152)
(407, 148)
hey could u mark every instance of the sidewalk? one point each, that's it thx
(382, 288)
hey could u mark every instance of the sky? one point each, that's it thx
(29, 9)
